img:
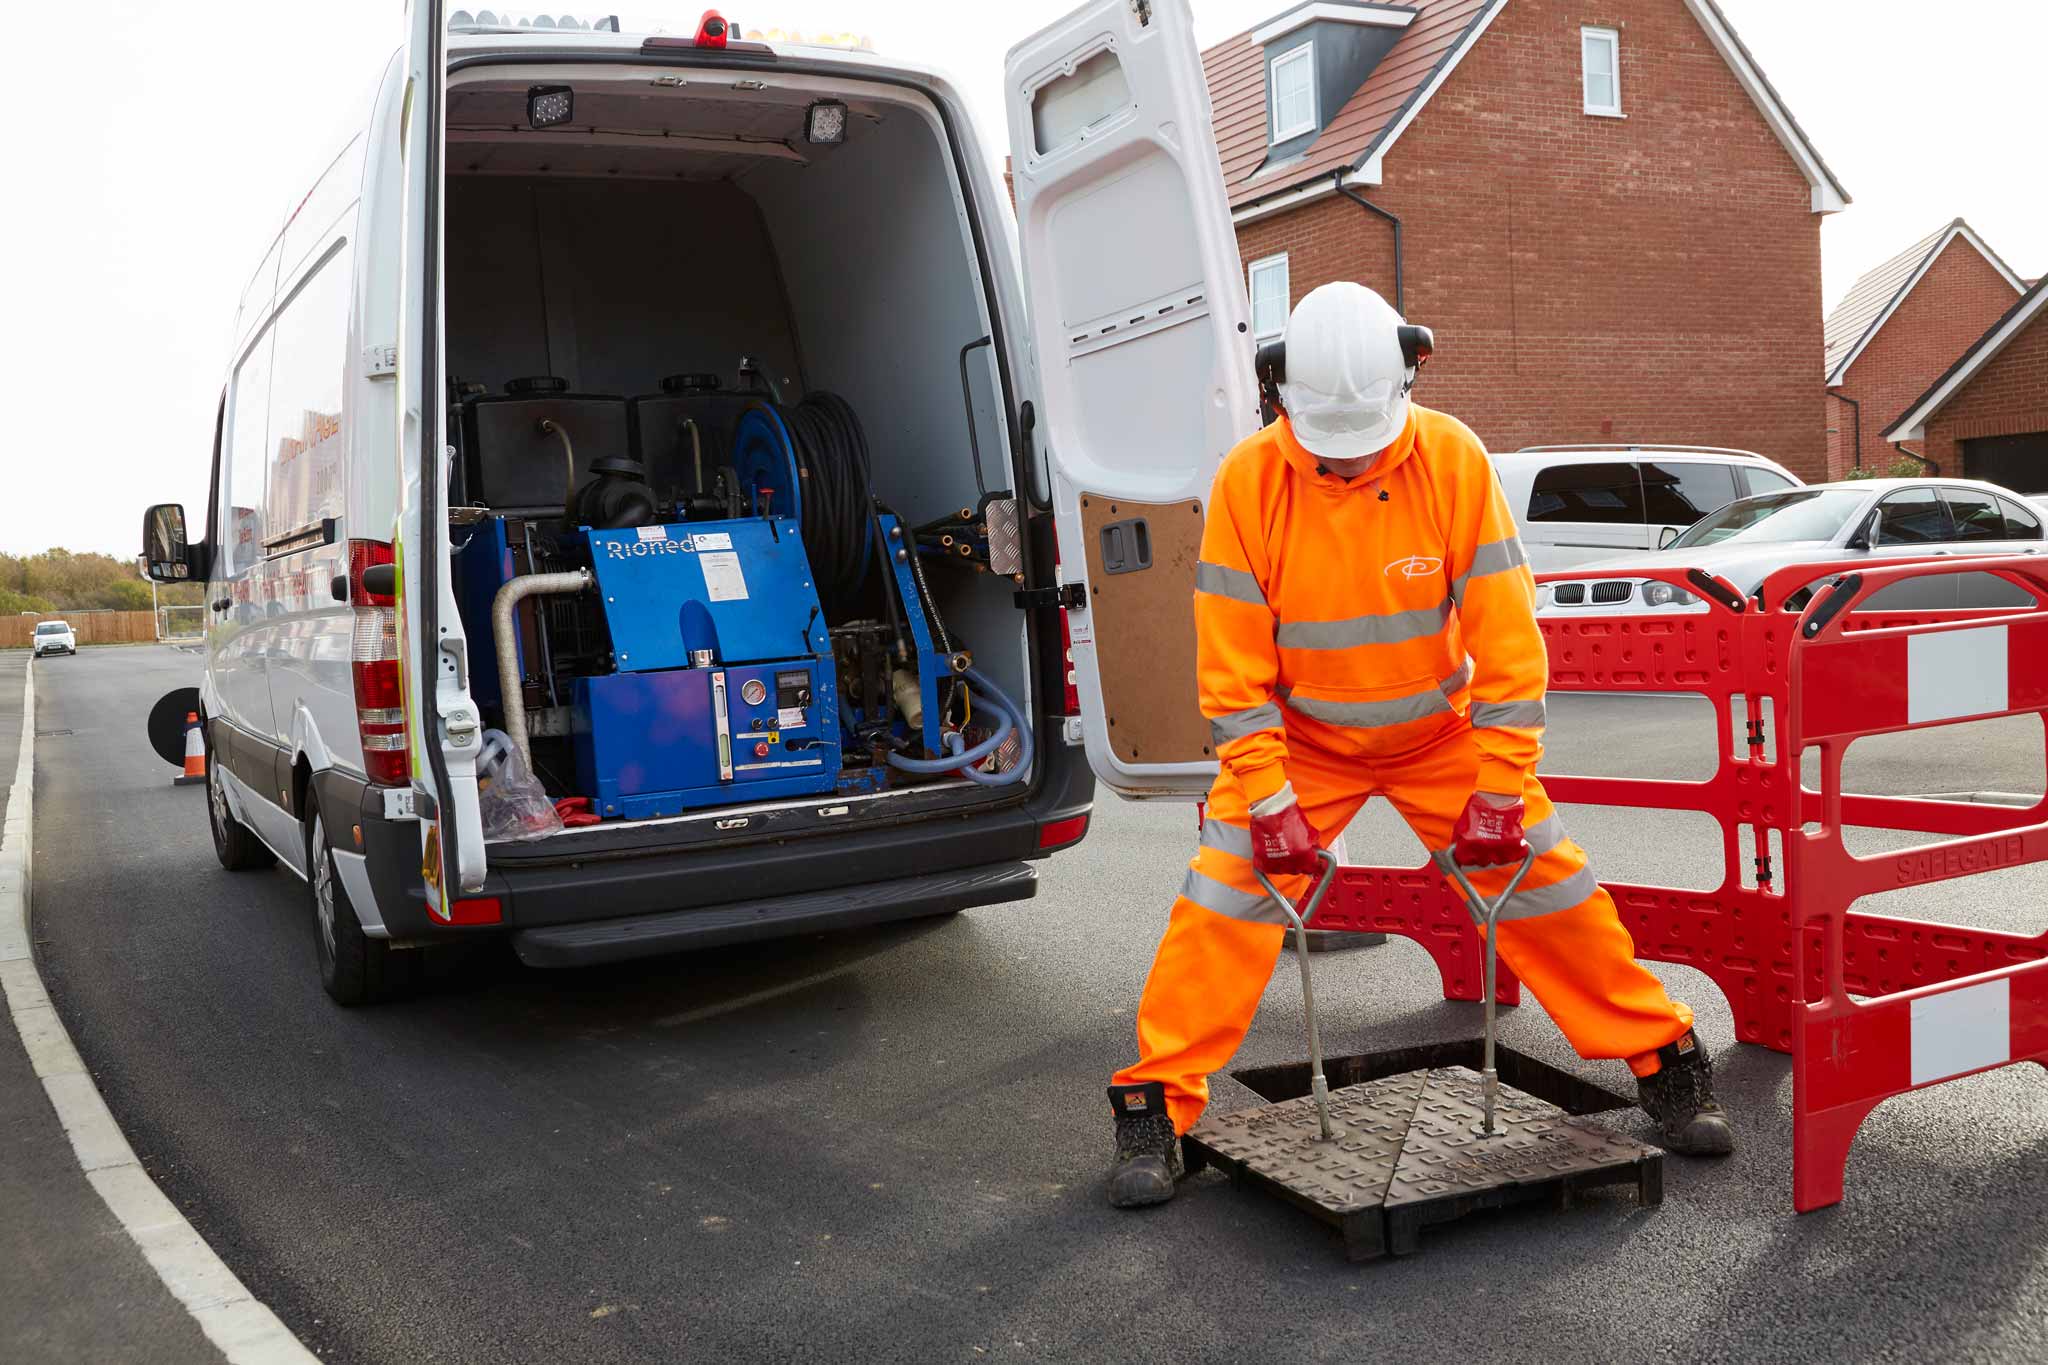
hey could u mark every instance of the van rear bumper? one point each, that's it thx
(613, 940)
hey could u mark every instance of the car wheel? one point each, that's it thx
(355, 969)
(238, 849)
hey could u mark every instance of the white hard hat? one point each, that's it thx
(1346, 391)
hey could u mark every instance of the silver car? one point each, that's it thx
(54, 637)
(1751, 538)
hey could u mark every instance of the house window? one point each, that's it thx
(1269, 297)
(1600, 55)
(1294, 93)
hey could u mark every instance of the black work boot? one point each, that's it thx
(1680, 1097)
(1147, 1151)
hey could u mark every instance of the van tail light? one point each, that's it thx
(373, 661)
(1057, 834)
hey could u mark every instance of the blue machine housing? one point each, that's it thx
(668, 732)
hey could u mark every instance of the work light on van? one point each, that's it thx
(826, 122)
(549, 105)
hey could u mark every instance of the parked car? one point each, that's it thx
(744, 754)
(1877, 519)
(54, 637)
(1575, 504)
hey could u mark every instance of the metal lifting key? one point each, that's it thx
(1489, 1079)
(1318, 1087)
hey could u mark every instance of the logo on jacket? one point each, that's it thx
(1416, 566)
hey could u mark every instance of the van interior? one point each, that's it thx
(734, 519)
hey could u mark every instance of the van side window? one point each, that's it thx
(1757, 481)
(241, 503)
(1679, 494)
(1611, 493)
(308, 376)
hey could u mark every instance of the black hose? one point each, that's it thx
(833, 472)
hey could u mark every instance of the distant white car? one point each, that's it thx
(1576, 504)
(1750, 539)
(54, 637)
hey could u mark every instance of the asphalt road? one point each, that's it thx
(887, 1145)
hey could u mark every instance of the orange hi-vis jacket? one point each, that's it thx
(1367, 620)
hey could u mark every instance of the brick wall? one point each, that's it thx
(1650, 278)
(2008, 397)
(1960, 296)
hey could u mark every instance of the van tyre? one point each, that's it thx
(238, 849)
(355, 969)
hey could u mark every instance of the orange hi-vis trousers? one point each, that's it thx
(1558, 932)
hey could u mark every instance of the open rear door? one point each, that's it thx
(442, 727)
(1142, 347)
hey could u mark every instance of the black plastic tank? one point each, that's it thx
(514, 458)
(662, 438)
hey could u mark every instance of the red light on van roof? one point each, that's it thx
(711, 29)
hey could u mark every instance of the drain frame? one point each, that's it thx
(1549, 1106)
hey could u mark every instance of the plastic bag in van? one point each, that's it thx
(510, 798)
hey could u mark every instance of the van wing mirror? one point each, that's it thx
(166, 556)
(1667, 537)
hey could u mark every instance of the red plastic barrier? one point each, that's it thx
(1778, 932)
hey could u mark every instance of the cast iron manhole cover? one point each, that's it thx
(1408, 1157)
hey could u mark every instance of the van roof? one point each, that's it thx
(467, 40)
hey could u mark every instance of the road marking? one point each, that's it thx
(242, 1329)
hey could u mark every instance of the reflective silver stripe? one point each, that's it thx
(1227, 838)
(1367, 715)
(1233, 583)
(1385, 628)
(1543, 900)
(1211, 894)
(1494, 715)
(1238, 724)
(1495, 556)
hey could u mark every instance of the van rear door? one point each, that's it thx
(1141, 337)
(442, 727)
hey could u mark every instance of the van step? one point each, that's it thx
(845, 907)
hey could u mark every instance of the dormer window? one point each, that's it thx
(1293, 97)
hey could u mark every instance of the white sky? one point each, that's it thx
(151, 165)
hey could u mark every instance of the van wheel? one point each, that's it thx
(238, 849)
(355, 969)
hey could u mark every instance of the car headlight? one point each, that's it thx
(1667, 595)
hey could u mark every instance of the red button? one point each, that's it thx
(761, 749)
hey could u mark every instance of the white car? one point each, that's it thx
(1878, 519)
(55, 637)
(1576, 504)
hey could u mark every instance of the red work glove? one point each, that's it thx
(1283, 841)
(1489, 833)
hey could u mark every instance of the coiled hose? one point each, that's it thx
(832, 464)
(1009, 718)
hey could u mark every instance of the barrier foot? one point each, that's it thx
(1820, 1152)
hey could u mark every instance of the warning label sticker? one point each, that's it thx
(715, 540)
(723, 581)
(653, 532)
(789, 718)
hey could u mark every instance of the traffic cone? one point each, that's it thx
(195, 753)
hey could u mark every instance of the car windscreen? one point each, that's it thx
(1774, 518)
(52, 628)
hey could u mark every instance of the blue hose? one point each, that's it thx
(1009, 717)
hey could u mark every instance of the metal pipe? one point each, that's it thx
(1400, 292)
(1932, 466)
(1489, 1079)
(1317, 1085)
(505, 633)
(550, 427)
(1855, 412)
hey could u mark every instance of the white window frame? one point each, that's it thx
(1265, 264)
(1305, 55)
(1611, 38)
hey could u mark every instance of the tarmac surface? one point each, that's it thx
(888, 1144)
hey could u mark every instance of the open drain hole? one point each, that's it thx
(1518, 1070)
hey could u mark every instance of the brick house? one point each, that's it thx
(1986, 417)
(1601, 206)
(1899, 327)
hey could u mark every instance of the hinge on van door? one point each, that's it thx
(380, 362)
(1143, 9)
(1073, 595)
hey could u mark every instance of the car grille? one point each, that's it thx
(1606, 594)
(1568, 594)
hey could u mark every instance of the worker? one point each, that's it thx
(1365, 622)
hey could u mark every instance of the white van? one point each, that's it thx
(1575, 504)
(523, 450)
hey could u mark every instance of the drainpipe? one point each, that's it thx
(1855, 411)
(1400, 294)
(1932, 466)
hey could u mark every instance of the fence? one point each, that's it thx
(91, 627)
(1869, 1005)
